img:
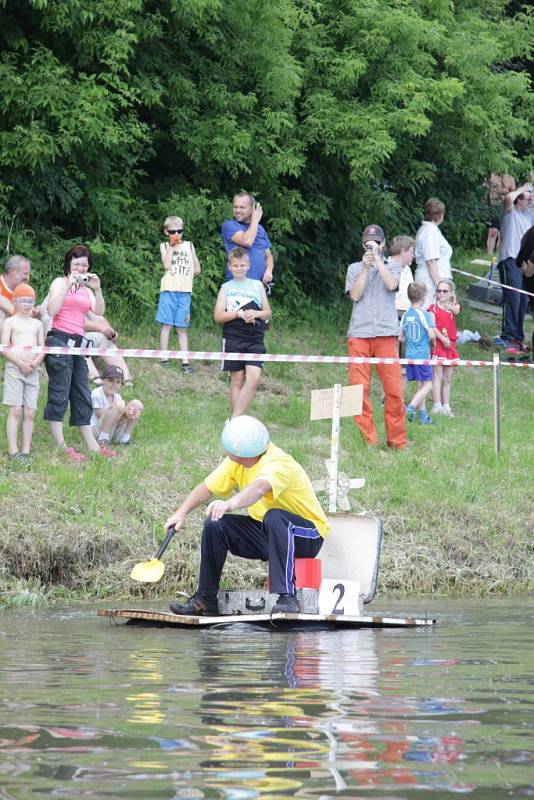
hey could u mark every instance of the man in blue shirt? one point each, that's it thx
(244, 230)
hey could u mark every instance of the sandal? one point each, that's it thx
(73, 454)
(107, 452)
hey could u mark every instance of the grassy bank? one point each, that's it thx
(457, 519)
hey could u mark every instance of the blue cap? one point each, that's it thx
(245, 437)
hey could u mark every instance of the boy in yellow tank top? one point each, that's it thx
(181, 264)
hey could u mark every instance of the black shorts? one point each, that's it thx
(243, 345)
(67, 382)
(494, 222)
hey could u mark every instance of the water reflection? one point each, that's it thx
(90, 711)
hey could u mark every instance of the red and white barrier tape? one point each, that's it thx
(275, 357)
(493, 283)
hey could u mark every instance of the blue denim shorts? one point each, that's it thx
(174, 308)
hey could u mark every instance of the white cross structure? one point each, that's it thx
(336, 403)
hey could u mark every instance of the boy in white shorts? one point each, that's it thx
(21, 377)
(113, 420)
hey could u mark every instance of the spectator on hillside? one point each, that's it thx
(372, 333)
(517, 219)
(113, 420)
(243, 310)
(71, 297)
(244, 230)
(181, 265)
(16, 271)
(497, 187)
(432, 250)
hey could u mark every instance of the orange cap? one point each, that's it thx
(23, 290)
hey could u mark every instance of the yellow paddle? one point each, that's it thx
(152, 571)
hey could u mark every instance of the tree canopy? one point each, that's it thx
(114, 113)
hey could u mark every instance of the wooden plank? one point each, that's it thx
(322, 402)
(345, 621)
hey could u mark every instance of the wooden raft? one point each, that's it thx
(166, 618)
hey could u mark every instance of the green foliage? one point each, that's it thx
(116, 112)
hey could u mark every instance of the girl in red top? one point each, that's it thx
(444, 310)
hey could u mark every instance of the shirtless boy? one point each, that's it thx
(21, 378)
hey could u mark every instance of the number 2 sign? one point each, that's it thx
(339, 597)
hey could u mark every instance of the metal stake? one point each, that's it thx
(496, 402)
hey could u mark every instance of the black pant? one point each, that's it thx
(279, 539)
(514, 303)
(67, 382)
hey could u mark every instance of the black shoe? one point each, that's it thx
(286, 604)
(199, 605)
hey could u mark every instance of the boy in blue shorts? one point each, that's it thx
(417, 331)
(181, 264)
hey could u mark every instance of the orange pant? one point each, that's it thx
(391, 377)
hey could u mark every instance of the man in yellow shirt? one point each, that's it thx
(285, 520)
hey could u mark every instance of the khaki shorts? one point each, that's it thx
(116, 433)
(20, 390)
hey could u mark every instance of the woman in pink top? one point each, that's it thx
(70, 298)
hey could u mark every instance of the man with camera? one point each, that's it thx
(244, 230)
(373, 330)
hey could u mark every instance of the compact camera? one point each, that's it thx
(84, 278)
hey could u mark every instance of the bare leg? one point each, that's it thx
(12, 429)
(56, 429)
(182, 342)
(237, 381)
(128, 420)
(164, 337)
(27, 429)
(437, 380)
(88, 437)
(248, 390)
(446, 388)
(423, 390)
(92, 371)
(491, 241)
(110, 418)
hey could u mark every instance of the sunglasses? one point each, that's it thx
(175, 230)
(442, 291)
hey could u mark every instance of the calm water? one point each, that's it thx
(93, 710)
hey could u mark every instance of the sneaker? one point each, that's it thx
(199, 605)
(13, 456)
(187, 369)
(424, 419)
(73, 454)
(107, 452)
(446, 411)
(165, 362)
(410, 413)
(437, 408)
(498, 341)
(286, 604)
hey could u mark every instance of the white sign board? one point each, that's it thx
(339, 597)
(322, 402)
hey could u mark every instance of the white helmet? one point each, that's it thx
(245, 437)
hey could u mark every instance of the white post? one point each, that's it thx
(334, 449)
(496, 402)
